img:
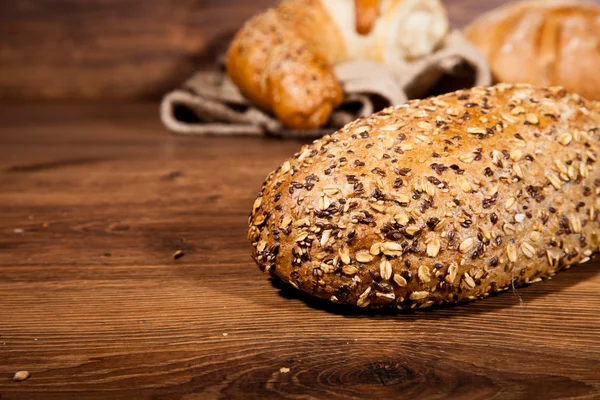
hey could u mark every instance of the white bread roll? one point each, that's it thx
(405, 29)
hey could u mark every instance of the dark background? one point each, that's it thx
(126, 49)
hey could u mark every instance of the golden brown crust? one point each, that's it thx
(441, 200)
(282, 61)
(366, 13)
(550, 42)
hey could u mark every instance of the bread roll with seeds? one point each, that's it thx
(283, 58)
(440, 200)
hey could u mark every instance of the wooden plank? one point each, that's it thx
(108, 48)
(73, 49)
(96, 198)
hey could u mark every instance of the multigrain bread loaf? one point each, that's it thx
(543, 42)
(283, 58)
(439, 200)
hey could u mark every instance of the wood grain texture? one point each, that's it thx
(96, 198)
(124, 49)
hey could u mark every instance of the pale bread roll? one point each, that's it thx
(543, 42)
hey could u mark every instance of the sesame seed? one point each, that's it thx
(411, 230)
(304, 154)
(510, 202)
(418, 295)
(330, 190)
(378, 207)
(532, 119)
(326, 268)
(469, 280)
(424, 125)
(551, 257)
(517, 110)
(257, 203)
(564, 139)
(401, 218)
(528, 250)
(440, 225)
(402, 199)
(325, 237)
(554, 181)
(385, 269)
(301, 236)
(324, 202)
(516, 155)
(21, 376)
(423, 274)
(464, 185)
(467, 158)
(363, 256)
(391, 249)
(466, 245)
(590, 155)
(375, 249)
(534, 236)
(575, 223)
(363, 299)
(452, 272)
(400, 281)
(388, 142)
(385, 296)
(477, 131)
(511, 252)
(391, 246)
(508, 229)
(344, 255)
(433, 247)
(302, 222)
(259, 219)
(518, 171)
(485, 232)
(349, 270)
(179, 253)
(561, 166)
(286, 222)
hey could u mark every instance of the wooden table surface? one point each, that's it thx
(96, 198)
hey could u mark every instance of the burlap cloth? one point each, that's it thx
(208, 103)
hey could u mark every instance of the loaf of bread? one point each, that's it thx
(283, 59)
(543, 42)
(436, 201)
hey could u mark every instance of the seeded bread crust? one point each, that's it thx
(440, 200)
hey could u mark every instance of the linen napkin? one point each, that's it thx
(208, 103)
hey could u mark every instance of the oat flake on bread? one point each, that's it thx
(436, 201)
